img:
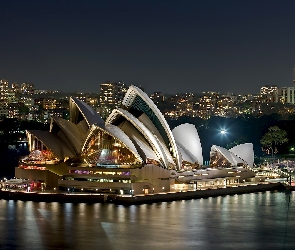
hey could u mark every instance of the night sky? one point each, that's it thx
(169, 46)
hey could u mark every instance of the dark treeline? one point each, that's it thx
(239, 130)
(11, 145)
(11, 130)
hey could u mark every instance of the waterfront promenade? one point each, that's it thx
(137, 199)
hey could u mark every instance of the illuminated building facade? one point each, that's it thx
(185, 105)
(208, 104)
(288, 95)
(270, 93)
(49, 103)
(157, 97)
(110, 96)
(27, 88)
(4, 89)
(133, 151)
(15, 87)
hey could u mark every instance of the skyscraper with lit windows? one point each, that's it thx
(269, 93)
(110, 96)
(4, 89)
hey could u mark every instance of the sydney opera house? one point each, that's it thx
(134, 151)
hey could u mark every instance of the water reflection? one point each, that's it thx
(247, 221)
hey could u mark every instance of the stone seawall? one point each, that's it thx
(138, 199)
(197, 194)
(52, 197)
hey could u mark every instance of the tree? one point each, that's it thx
(274, 137)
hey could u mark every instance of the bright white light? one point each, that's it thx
(223, 131)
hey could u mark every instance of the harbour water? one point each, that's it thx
(263, 220)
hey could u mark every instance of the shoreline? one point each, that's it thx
(137, 199)
(141, 199)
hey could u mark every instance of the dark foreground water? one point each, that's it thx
(249, 221)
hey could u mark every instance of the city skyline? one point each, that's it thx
(35, 89)
(167, 46)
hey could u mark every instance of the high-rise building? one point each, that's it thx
(108, 94)
(207, 104)
(11, 97)
(269, 93)
(27, 88)
(111, 96)
(288, 95)
(15, 87)
(4, 89)
(50, 103)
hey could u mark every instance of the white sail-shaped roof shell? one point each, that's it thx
(165, 150)
(89, 114)
(231, 157)
(143, 130)
(130, 96)
(184, 155)
(149, 124)
(187, 137)
(118, 133)
(72, 132)
(53, 142)
(149, 153)
(244, 151)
